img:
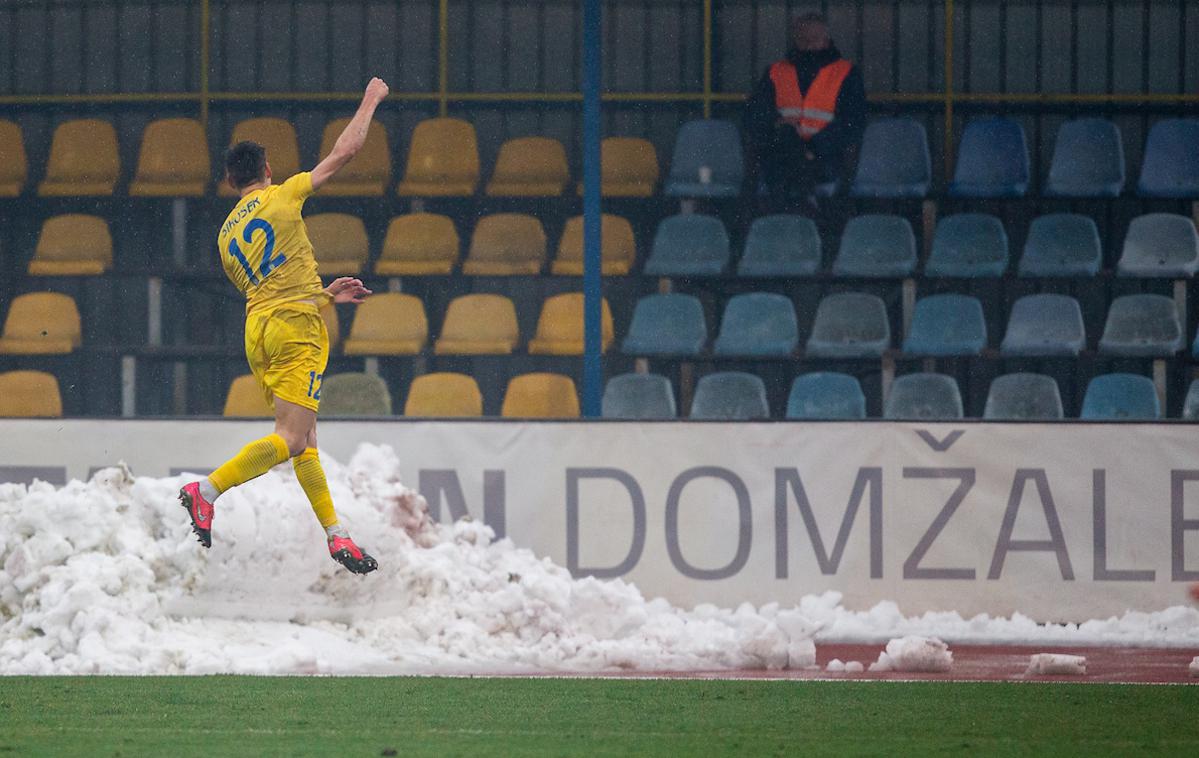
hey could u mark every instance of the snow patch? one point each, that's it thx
(914, 654)
(1056, 664)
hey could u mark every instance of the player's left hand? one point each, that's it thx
(347, 289)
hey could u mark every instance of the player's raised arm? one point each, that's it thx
(354, 135)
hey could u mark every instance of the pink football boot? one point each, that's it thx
(200, 511)
(355, 559)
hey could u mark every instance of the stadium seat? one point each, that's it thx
(730, 396)
(690, 244)
(478, 325)
(968, 245)
(781, 245)
(354, 394)
(826, 395)
(1088, 160)
(1023, 397)
(390, 323)
(876, 246)
(850, 325)
(757, 324)
(529, 167)
(1170, 167)
(338, 242)
(419, 244)
(944, 325)
(245, 398)
(14, 166)
(444, 395)
(1120, 396)
(1062, 245)
(41, 323)
(560, 326)
(707, 160)
(1160, 245)
(925, 397)
(666, 325)
(443, 160)
(639, 396)
(1190, 406)
(540, 395)
(368, 173)
(72, 245)
(618, 249)
(992, 160)
(628, 167)
(1142, 326)
(29, 394)
(893, 161)
(279, 139)
(173, 161)
(1044, 325)
(506, 244)
(83, 159)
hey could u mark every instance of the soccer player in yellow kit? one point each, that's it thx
(265, 252)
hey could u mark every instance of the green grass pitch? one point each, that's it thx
(217, 716)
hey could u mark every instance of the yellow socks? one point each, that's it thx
(312, 478)
(254, 460)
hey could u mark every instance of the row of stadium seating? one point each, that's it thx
(443, 161)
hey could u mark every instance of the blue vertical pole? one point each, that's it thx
(593, 372)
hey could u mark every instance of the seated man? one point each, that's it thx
(806, 117)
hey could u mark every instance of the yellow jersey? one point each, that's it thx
(265, 250)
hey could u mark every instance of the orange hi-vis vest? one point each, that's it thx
(811, 113)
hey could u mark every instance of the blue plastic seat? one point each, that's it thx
(1171, 164)
(781, 245)
(759, 324)
(879, 246)
(1062, 244)
(826, 395)
(925, 397)
(1142, 326)
(1160, 245)
(992, 160)
(1088, 160)
(1190, 406)
(731, 396)
(947, 325)
(850, 325)
(666, 325)
(689, 244)
(893, 161)
(1044, 325)
(969, 245)
(1120, 396)
(638, 396)
(1024, 397)
(706, 144)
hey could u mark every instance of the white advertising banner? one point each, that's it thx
(1063, 522)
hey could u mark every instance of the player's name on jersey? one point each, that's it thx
(242, 212)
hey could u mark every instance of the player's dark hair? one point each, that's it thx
(245, 163)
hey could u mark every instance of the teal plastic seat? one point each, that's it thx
(666, 325)
(710, 149)
(893, 161)
(1142, 326)
(968, 245)
(354, 394)
(1024, 397)
(1120, 396)
(1044, 325)
(924, 397)
(730, 396)
(758, 324)
(876, 246)
(1190, 406)
(1062, 245)
(992, 160)
(826, 395)
(690, 244)
(781, 245)
(1160, 245)
(638, 396)
(1170, 167)
(850, 325)
(944, 325)
(1088, 160)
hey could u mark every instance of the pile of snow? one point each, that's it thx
(1056, 664)
(836, 666)
(914, 654)
(1194, 667)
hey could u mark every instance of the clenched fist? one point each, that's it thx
(377, 88)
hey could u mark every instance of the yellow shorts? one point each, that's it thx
(288, 348)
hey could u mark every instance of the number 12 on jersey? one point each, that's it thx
(269, 261)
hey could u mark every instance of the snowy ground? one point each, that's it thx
(105, 577)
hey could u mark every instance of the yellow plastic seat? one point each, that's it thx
(41, 323)
(618, 250)
(73, 244)
(419, 244)
(245, 398)
(29, 394)
(540, 396)
(444, 395)
(338, 242)
(390, 323)
(83, 159)
(332, 325)
(560, 326)
(14, 167)
(628, 167)
(478, 325)
(369, 173)
(173, 161)
(279, 139)
(443, 160)
(529, 167)
(506, 244)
